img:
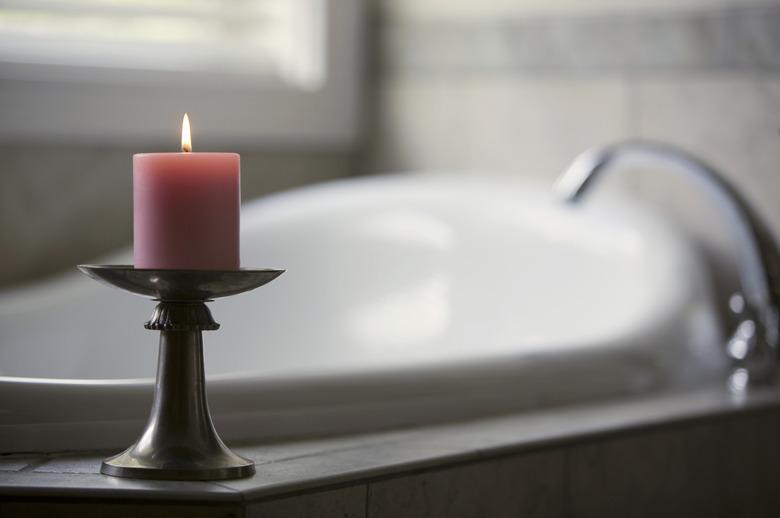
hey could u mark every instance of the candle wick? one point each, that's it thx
(186, 138)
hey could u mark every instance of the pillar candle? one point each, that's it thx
(186, 209)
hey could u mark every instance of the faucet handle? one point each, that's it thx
(737, 304)
(751, 347)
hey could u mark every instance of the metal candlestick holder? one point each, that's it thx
(179, 441)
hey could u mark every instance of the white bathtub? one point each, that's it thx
(407, 299)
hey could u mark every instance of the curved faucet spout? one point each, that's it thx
(753, 347)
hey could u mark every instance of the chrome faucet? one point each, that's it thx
(753, 345)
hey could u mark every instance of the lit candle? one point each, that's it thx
(186, 209)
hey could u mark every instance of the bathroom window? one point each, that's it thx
(260, 71)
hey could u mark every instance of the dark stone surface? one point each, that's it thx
(694, 454)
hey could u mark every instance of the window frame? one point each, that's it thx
(145, 107)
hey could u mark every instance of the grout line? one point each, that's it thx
(35, 464)
(361, 445)
(233, 490)
(368, 499)
(566, 481)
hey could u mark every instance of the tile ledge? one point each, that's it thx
(361, 458)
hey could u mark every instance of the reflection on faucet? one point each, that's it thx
(753, 345)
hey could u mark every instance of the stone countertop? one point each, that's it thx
(301, 466)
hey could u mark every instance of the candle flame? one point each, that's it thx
(186, 139)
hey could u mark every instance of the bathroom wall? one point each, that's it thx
(499, 87)
(65, 204)
(519, 88)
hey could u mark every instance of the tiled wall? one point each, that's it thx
(519, 88)
(495, 86)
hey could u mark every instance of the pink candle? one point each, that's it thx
(186, 209)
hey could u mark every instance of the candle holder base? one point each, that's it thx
(180, 442)
(219, 465)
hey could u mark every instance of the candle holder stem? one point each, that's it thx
(180, 407)
(179, 441)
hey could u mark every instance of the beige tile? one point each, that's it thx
(493, 8)
(730, 120)
(523, 127)
(536, 127)
(421, 125)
